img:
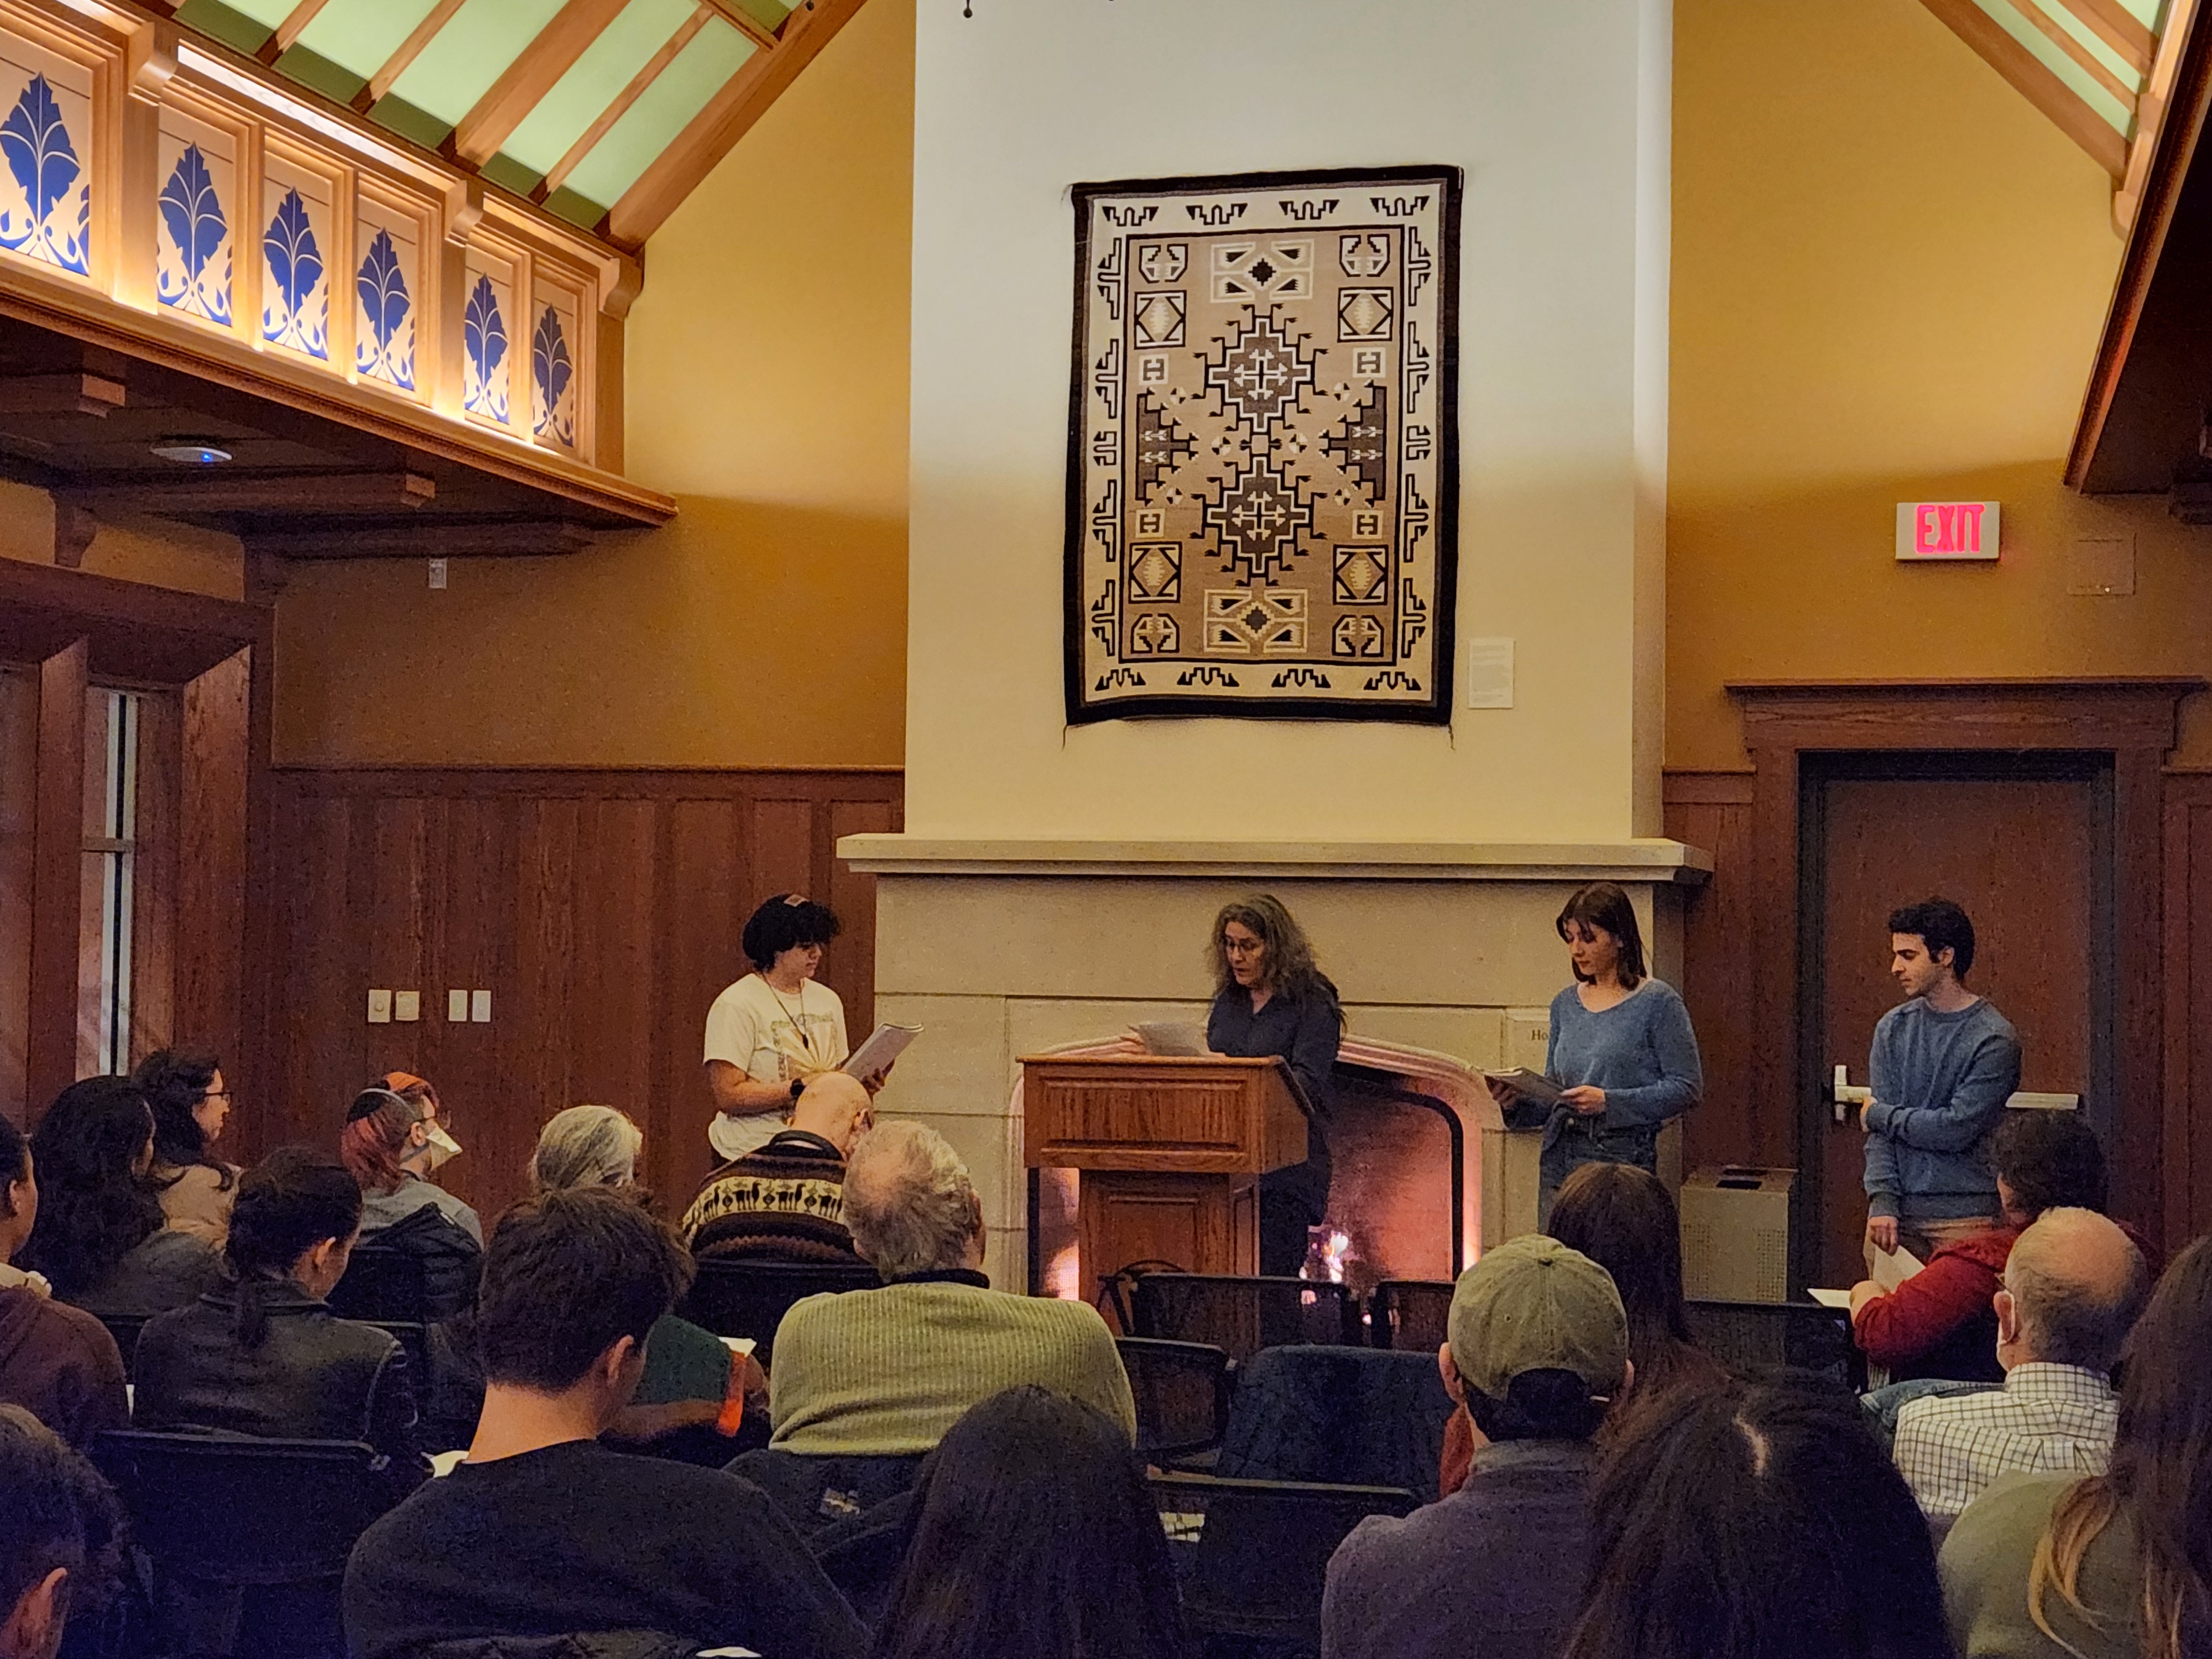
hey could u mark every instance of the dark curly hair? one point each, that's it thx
(94, 1206)
(176, 1081)
(784, 923)
(2051, 1160)
(1287, 960)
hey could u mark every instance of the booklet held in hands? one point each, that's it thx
(874, 1057)
(1530, 1086)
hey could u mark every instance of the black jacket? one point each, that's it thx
(312, 1376)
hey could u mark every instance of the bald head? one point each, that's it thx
(834, 1107)
(2073, 1285)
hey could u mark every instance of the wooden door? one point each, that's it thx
(2025, 847)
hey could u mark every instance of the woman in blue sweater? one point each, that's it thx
(1621, 1045)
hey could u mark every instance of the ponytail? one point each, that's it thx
(286, 1205)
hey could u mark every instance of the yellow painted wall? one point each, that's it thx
(1890, 273)
(767, 390)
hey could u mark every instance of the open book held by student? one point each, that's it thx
(874, 1057)
(1530, 1086)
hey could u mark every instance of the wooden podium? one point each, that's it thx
(1171, 1150)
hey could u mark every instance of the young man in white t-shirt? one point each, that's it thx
(774, 1028)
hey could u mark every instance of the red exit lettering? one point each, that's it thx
(1951, 527)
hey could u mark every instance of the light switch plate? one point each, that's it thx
(379, 1007)
(480, 1007)
(407, 1006)
(457, 1007)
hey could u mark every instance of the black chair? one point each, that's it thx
(247, 1539)
(1243, 1316)
(741, 1297)
(1252, 1556)
(383, 1283)
(421, 1269)
(126, 1329)
(1758, 1336)
(1410, 1313)
(1181, 1391)
(413, 1341)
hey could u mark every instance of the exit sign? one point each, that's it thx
(1947, 530)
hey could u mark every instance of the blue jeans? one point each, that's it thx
(1586, 1141)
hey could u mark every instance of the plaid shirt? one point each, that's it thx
(2047, 1420)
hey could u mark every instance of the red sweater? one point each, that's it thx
(1955, 1286)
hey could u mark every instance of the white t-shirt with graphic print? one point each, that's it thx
(771, 1038)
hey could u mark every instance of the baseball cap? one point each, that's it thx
(1533, 1305)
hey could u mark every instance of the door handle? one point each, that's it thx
(1844, 1096)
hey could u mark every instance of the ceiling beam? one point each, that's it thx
(629, 94)
(2042, 88)
(294, 495)
(60, 394)
(746, 24)
(295, 22)
(523, 538)
(730, 112)
(409, 49)
(550, 55)
(2118, 28)
(2085, 60)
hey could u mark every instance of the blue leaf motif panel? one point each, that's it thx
(386, 351)
(192, 272)
(51, 222)
(483, 339)
(553, 412)
(296, 310)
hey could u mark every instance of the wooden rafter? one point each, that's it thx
(629, 94)
(2152, 113)
(2087, 61)
(2034, 82)
(745, 23)
(548, 56)
(409, 49)
(294, 24)
(730, 113)
(2119, 28)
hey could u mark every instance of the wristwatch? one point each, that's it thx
(798, 1087)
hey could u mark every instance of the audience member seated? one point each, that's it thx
(190, 1104)
(1937, 1324)
(885, 1372)
(1759, 1522)
(57, 1362)
(1031, 1536)
(1538, 1353)
(2073, 1287)
(2118, 1566)
(60, 1537)
(387, 1145)
(265, 1356)
(691, 1379)
(99, 1239)
(543, 1531)
(784, 1202)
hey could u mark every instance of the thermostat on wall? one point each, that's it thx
(1944, 530)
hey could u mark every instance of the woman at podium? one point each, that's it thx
(1620, 1046)
(1271, 999)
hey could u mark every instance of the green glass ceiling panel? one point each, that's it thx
(267, 12)
(2047, 52)
(418, 126)
(770, 13)
(593, 82)
(235, 29)
(314, 70)
(2151, 13)
(361, 35)
(510, 174)
(470, 53)
(664, 110)
(565, 203)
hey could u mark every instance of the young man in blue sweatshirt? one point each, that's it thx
(1944, 1064)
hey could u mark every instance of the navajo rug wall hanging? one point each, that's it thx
(1262, 457)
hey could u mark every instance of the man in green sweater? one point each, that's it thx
(885, 1372)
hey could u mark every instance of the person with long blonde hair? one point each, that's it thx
(1270, 998)
(2118, 1566)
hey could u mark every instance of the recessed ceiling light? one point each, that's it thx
(191, 451)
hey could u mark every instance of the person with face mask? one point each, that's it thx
(390, 1143)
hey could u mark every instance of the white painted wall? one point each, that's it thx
(1556, 109)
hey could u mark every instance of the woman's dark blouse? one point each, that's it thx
(1303, 1030)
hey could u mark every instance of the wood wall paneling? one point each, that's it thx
(1712, 809)
(602, 910)
(19, 788)
(58, 855)
(213, 807)
(2187, 1114)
